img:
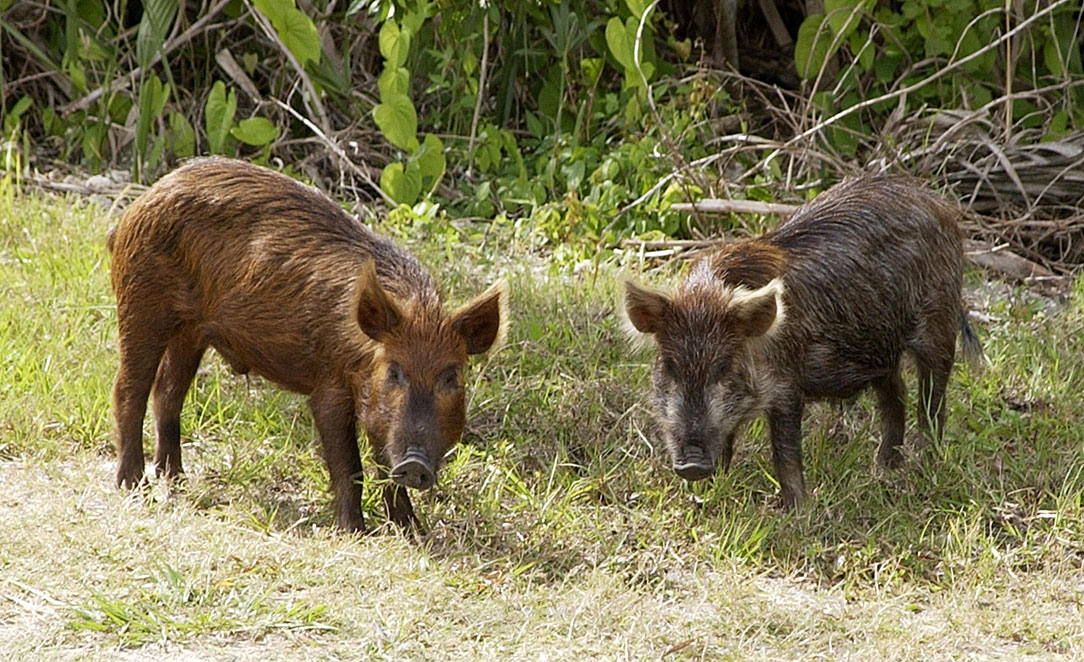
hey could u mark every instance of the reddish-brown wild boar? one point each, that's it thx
(282, 282)
(824, 306)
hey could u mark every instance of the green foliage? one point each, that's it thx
(158, 17)
(153, 95)
(294, 28)
(397, 118)
(621, 38)
(218, 117)
(562, 113)
(880, 42)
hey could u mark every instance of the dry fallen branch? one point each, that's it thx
(716, 206)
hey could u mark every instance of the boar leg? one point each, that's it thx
(785, 423)
(891, 394)
(932, 380)
(139, 357)
(175, 374)
(336, 422)
(397, 503)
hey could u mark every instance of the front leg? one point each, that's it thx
(785, 423)
(397, 503)
(336, 422)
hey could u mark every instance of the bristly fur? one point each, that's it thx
(281, 281)
(872, 271)
(751, 263)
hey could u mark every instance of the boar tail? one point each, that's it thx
(976, 359)
(110, 238)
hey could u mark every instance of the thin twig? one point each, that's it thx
(338, 152)
(481, 90)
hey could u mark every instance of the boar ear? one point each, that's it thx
(645, 308)
(484, 321)
(377, 312)
(760, 312)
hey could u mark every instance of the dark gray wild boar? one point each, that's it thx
(824, 306)
(280, 281)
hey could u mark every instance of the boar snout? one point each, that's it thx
(694, 464)
(694, 471)
(415, 470)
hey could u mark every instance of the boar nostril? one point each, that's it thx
(415, 472)
(696, 464)
(694, 471)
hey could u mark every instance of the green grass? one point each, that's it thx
(557, 530)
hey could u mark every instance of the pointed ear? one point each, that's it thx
(760, 312)
(377, 313)
(646, 309)
(483, 321)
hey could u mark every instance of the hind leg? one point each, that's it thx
(933, 375)
(139, 358)
(175, 374)
(891, 394)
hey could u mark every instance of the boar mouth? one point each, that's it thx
(415, 470)
(696, 464)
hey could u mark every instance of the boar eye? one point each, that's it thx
(395, 375)
(449, 380)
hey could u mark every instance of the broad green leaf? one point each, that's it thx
(394, 44)
(430, 156)
(156, 153)
(77, 76)
(11, 120)
(866, 53)
(413, 19)
(218, 116)
(1052, 58)
(182, 136)
(592, 69)
(839, 16)
(636, 7)
(393, 81)
(534, 126)
(294, 28)
(398, 121)
(811, 49)
(649, 70)
(54, 125)
(158, 17)
(403, 186)
(618, 42)
(153, 95)
(885, 66)
(120, 107)
(1058, 128)
(255, 131)
(93, 137)
(300, 36)
(469, 62)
